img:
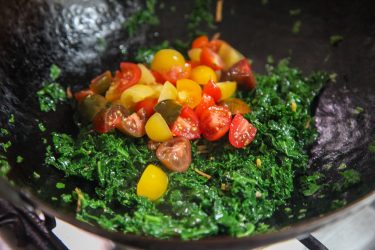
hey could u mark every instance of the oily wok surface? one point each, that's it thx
(35, 34)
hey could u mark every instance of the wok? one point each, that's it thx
(37, 33)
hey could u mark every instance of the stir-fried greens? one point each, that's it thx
(225, 190)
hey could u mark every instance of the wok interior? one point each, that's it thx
(35, 34)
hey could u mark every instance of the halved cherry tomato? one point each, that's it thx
(187, 124)
(158, 77)
(90, 106)
(153, 183)
(81, 95)
(215, 122)
(101, 83)
(206, 102)
(175, 154)
(169, 110)
(148, 106)
(241, 132)
(188, 92)
(215, 44)
(211, 59)
(134, 124)
(213, 90)
(202, 74)
(199, 42)
(177, 72)
(157, 128)
(236, 106)
(128, 76)
(241, 73)
(109, 118)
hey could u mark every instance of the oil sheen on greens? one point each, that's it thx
(235, 201)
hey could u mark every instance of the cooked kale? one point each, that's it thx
(194, 206)
(145, 15)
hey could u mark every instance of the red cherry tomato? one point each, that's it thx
(109, 118)
(175, 154)
(206, 102)
(241, 132)
(80, 95)
(134, 124)
(213, 90)
(158, 77)
(215, 122)
(177, 73)
(187, 124)
(148, 106)
(241, 73)
(215, 44)
(211, 59)
(199, 42)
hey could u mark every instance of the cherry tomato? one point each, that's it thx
(158, 77)
(169, 110)
(211, 59)
(128, 76)
(213, 90)
(134, 124)
(236, 106)
(109, 118)
(206, 102)
(199, 42)
(81, 95)
(215, 122)
(177, 72)
(241, 132)
(101, 83)
(188, 92)
(187, 124)
(165, 59)
(153, 183)
(175, 154)
(241, 73)
(157, 128)
(148, 106)
(90, 106)
(202, 74)
(215, 44)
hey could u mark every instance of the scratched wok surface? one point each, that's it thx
(37, 33)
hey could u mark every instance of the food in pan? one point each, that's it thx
(189, 148)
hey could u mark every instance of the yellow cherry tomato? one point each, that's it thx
(168, 92)
(157, 128)
(153, 183)
(135, 94)
(165, 59)
(227, 89)
(202, 74)
(189, 92)
(229, 55)
(195, 54)
(146, 76)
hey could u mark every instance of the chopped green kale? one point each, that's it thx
(201, 15)
(144, 16)
(296, 27)
(60, 185)
(349, 178)
(310, 184)
(50, 95)
(11, 119)
(41, 126)
(55, 72)
(4, 166)
(19, 159)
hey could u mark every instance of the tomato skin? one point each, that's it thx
(213, 90)
(81, 95)
(236, 106)
(158, 77)
(206, 102)
(109, 118)
(187, 124)
(215, 122)
(215, 44)
(134, 124)
(148, 106)
(101, 83)
(199, 42)
(175, 154)
(241, 132)
(177, 72)
(241, 73)
(211, 59)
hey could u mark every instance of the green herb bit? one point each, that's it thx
(358, 110)
(333, 77)
(101, 42)
(349, 178)
(41, 126)
(11, 119)
(145, 16)
(54, 72)
(44, 140)
(19, 159)
(54, 198)
(146, 55)
(6, 145)
(201, 15)
(60, 185)
(270, 59)
(294, 12)
(338, 203)
(4, 132)
(296, 27)
(310, 184)
(50, 95)
(335, 39)
(4, 166)
(342, 166)
(36, 175)
(67, 198)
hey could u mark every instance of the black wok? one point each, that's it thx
(37, 33)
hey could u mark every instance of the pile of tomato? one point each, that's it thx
(174, 101)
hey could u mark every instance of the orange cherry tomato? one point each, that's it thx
(199, 42)
(188, 92)
(211, 59)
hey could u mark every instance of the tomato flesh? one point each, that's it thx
(236, 106)
(81, 95)
(211, 59)
(175, 154)
(206, 102)
(215, 122)
(109, 118)
(213, 90)
(200, 42)
(148, 106)
(187, 125)
(241, 73)
(134, 124)
(241, 132)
